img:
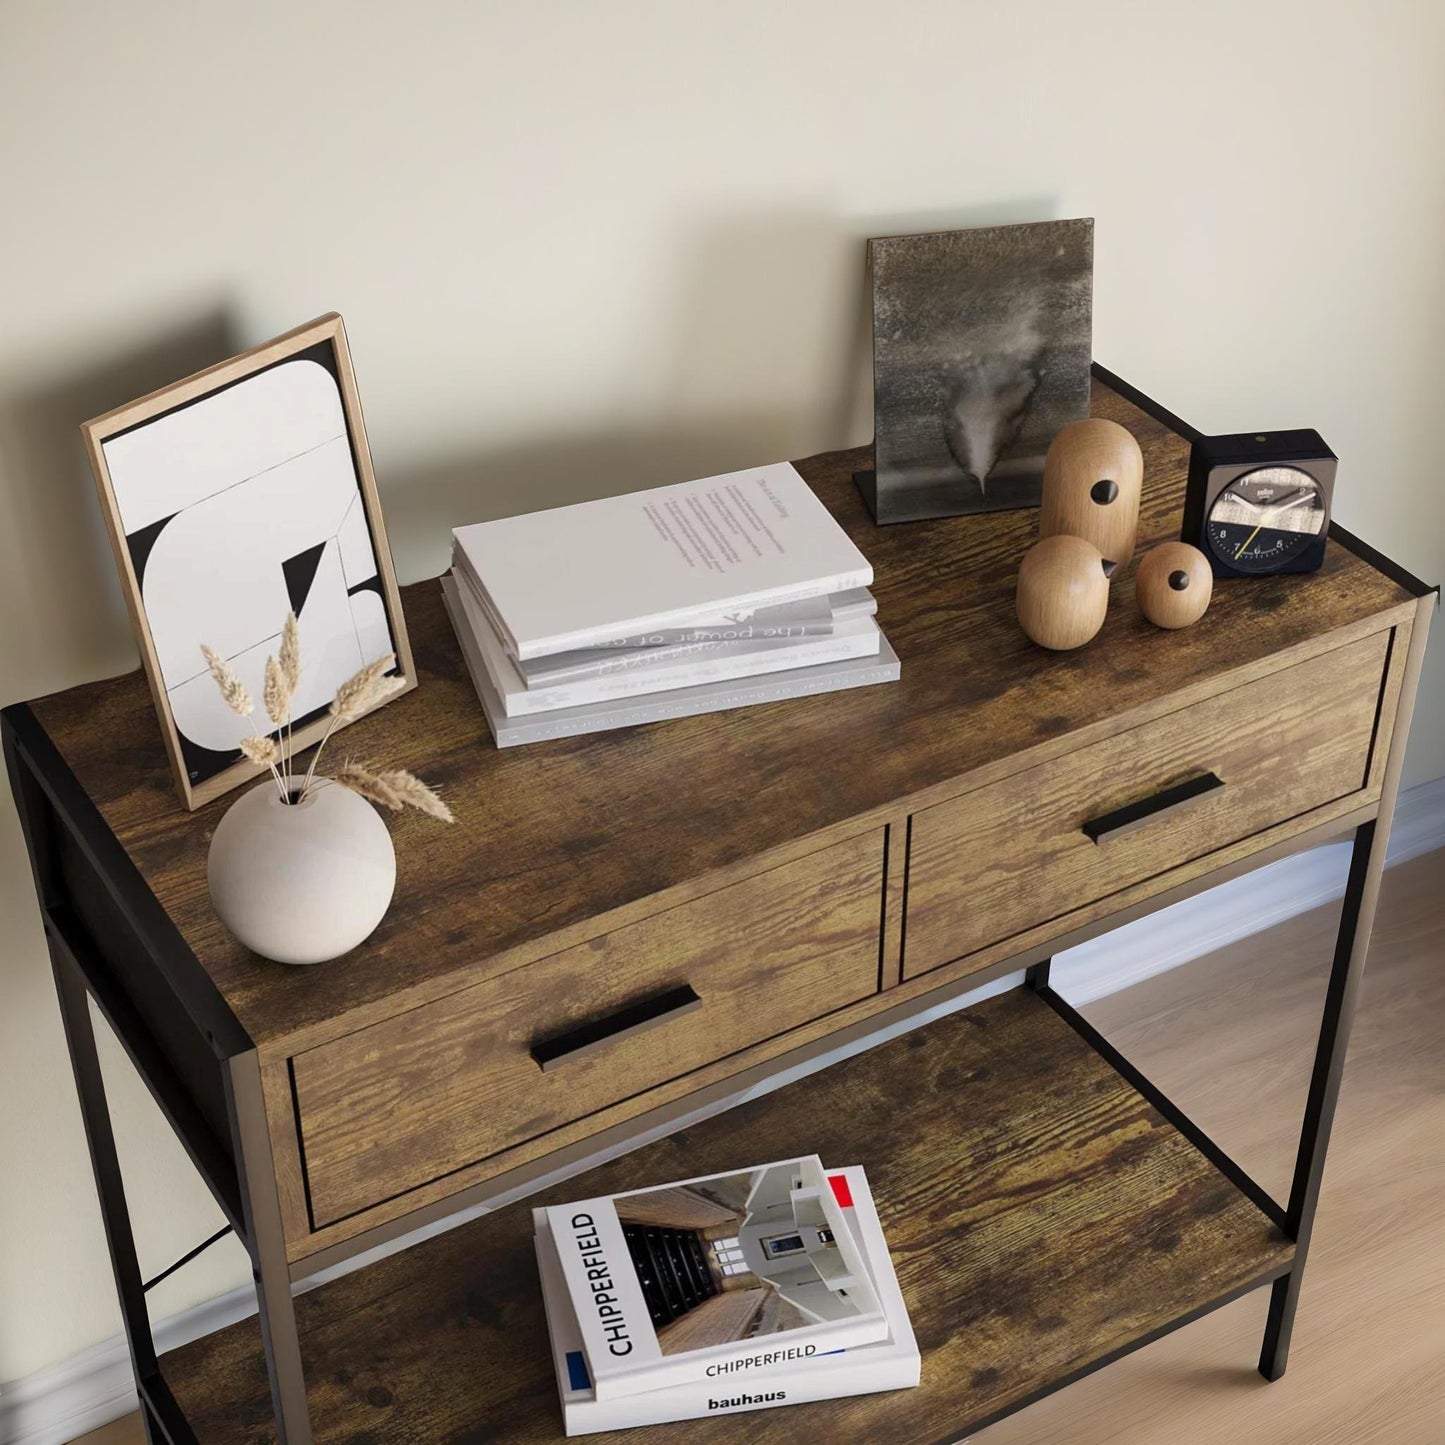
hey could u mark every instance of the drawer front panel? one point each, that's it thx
(452, 1082)
(1035, 847)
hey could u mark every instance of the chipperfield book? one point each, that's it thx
(855, 637)
(709, 1280)
(568, 722)
(891, 1363)
(584, 575)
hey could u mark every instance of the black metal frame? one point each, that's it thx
(202, 1067)
(198, 1062)
(1295, 1219)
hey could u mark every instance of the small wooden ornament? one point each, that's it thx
(1174, 584)
(1093, 475)
(1063, 592)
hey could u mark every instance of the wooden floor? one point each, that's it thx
(1229, 1036)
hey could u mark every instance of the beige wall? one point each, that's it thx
(582, 247)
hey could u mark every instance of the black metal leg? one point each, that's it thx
(104, 1162)
(1037, 976)
(1351, 945)
(269, 1266)
(164, 1423)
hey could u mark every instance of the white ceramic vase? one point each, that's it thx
(303, 882)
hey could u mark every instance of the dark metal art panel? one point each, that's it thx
(982, 341)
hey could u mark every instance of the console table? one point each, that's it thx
(811, 871)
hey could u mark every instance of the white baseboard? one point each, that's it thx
(93, 1388)
(55, 1405)
(1236, 909)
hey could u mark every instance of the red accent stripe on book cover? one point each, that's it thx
(841, 1192)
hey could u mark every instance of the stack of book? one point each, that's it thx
(684, 599)
(745, 1291)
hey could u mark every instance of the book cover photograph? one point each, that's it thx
(713, 1277)
(891, 1363)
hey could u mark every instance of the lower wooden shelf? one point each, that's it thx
(1042, 1217)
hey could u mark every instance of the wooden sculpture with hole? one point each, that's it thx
(1173, 584)
(1063, 592)
(1093, 475)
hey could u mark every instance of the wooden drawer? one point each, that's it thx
(447, 1084)
(995, 862)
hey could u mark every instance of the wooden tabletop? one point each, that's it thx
(552, 836)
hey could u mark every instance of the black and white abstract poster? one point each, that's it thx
(982, 342)
(237, 508)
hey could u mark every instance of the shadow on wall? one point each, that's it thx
(58, 580)
(743, 330)
(64, 623)
(424, 503)
(760, 348)
(763, 350)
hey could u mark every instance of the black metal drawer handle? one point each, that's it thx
(626, 1022)
(1135, 815)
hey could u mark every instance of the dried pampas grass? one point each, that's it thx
(276, 694)
(363, 691)
(416, 794)
(391, 788)
(359, 779)
(233, 690)
(291, 651)
(262, 751)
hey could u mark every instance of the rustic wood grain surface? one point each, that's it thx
(556, 835)
(1002, 858)
(394, 1105)
(1039, 1213)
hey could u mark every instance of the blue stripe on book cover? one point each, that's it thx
(577, 1376)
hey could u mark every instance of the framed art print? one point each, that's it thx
(231, 498)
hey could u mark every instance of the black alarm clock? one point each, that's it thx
(1259, 503)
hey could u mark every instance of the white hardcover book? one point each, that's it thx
(854, 638)
(855, 602)
(889, 1364)
(640, 1278)
(707, 645)
(511, 732)
(583, 575)
(811, 617)
(765, 630)
(834, 606)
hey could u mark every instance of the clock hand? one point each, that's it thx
(1270, 515)
(1303, 495)
(1247, 541)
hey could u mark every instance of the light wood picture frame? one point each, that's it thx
(229, 497)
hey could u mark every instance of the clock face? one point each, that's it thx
(1265, 518)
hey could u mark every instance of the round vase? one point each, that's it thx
(301, 882)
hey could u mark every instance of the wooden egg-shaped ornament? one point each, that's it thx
(1173, 584)
(1093, 474)
(1063, 592)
